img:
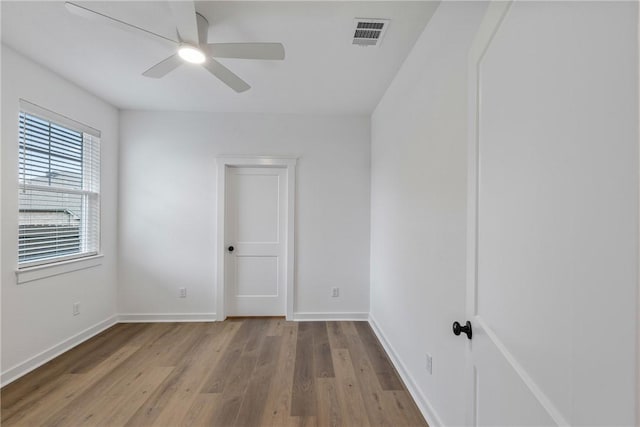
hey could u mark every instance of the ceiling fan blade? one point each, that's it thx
(226, 75)
(84, 12)
(203, 29)
(184, 13)
(246, 50)
(164, 67)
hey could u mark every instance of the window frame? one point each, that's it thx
(26, 107)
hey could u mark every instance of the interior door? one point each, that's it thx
(255, 227)
(514, 241)
(549, 177)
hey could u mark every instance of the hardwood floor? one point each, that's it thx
(241, 372)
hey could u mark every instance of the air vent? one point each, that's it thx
(369, 32)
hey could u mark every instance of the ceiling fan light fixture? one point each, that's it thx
(191, 54)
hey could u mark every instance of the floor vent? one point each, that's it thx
(369, 32)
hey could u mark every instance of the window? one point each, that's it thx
(59, 194)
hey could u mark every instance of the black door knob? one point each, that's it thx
(230, 248)
(466, 329)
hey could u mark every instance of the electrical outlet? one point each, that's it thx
(183, 292)
(76, 308)
(429, 364)
(335, 292)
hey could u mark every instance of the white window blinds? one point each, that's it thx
(59, 195)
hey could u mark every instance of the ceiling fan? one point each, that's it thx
(191, 44)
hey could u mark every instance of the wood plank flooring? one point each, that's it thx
(241, 372)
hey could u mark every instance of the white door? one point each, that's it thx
(255, 230)
(550, 181)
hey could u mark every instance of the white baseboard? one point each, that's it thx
(40, 359)
(166, 317)
(301, 317)
(429, 413)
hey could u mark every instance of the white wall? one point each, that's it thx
(563, 103)
(168, 212)
(418, 207)
(38, 315)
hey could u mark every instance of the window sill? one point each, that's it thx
(38, 272)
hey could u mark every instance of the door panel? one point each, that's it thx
(256, 275)
(525, 206)
(255, 222)
(520, 358)
(256, 206)
(515, 408)
(553, 223)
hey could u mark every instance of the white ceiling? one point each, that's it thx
(322, 72)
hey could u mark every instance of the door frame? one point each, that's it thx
(638, 269)
(491, 23)
(287, 163)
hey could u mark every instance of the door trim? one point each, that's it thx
(491, 23)
(495, 14)
(288, 163)
(638, 268)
